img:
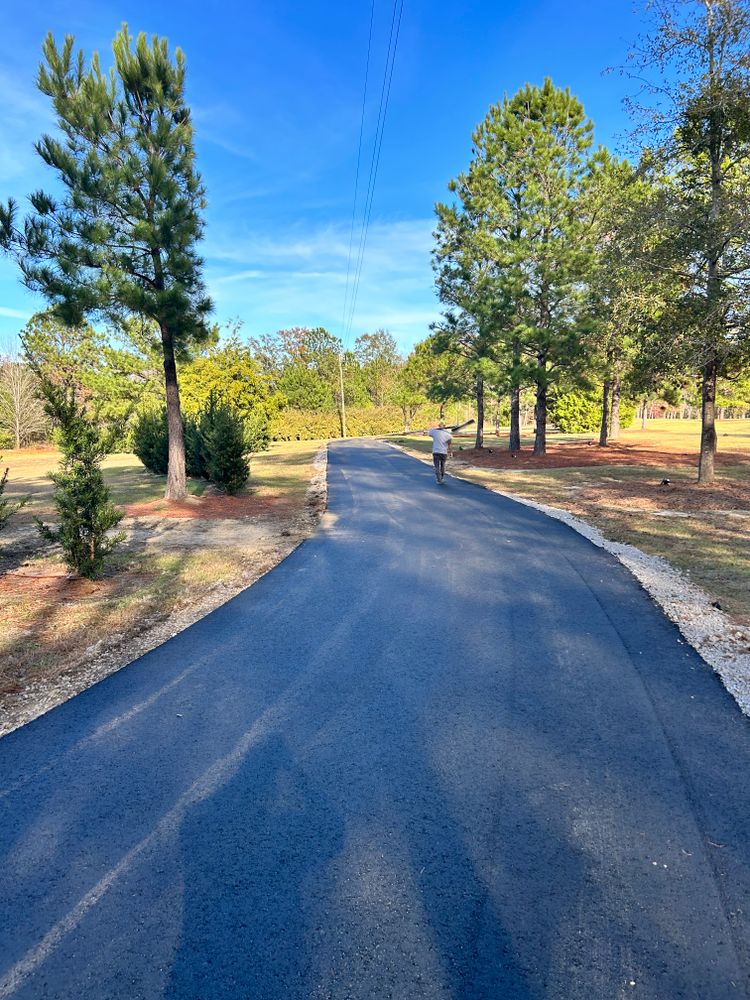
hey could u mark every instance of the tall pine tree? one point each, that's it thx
(515, 250)
(122, 239)
(697, 92)
(529, 169)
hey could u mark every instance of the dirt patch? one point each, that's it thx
(52, 586)
(180, 561)
(209, 507)
(561, 455)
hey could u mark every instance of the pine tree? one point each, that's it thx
(476, 328)
(697, 90)
(85, 513)
(625, 292)
(526, 181)
(515, 251)
(122, 239)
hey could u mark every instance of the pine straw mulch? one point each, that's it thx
(684, 497)
(562, 455)
(209, 507)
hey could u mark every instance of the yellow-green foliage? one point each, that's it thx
(578, 412)
(310, 425)
(230, 373)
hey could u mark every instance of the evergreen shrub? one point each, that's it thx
(223, 446)
(151, 441)
(216, 444)
(576, 412)
(195, 457)
(85, 513)
(627, 412)
(580, 412)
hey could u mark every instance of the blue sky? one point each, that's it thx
(276, 93)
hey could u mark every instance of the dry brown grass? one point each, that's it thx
(52, 624)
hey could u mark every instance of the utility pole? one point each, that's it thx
(341, 389)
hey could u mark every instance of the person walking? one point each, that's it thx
(442, 448)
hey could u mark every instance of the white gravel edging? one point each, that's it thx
(317, 491)
(711, 632)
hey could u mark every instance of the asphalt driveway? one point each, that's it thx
(448, 749)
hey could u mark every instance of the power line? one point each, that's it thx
(359, 157)
(385, 91)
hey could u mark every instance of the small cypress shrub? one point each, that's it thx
(222, 433)
(81, 499)
(257, 431)
(151, 440)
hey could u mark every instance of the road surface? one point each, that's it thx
(448, 749)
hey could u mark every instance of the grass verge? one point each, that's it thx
(170, 572)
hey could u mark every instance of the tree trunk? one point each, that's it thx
(540, 409)
(614, 409)
(442, 411)
(708, 423)
(644, 416)
(713, 288)
(480, 412)
(604, 428)
(514, 443)
(176, 483)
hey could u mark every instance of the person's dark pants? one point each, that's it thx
(438, 460)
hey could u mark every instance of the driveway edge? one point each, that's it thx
(709, 631)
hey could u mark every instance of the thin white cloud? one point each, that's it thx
(386, 242)
(221, 125)
(26, 114)
(300, 278)
(236, 276)
(14, 313)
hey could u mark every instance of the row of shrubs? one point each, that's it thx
(572, 412)
(216, 444)
(581, 412)
(311, 425)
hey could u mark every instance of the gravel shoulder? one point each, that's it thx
(723, 642)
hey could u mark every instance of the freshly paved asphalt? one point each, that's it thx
(448, 749)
